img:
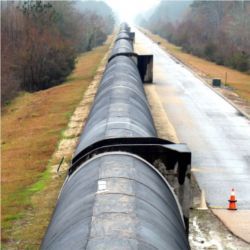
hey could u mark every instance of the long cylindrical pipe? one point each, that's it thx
(120, 107)
(116, 201)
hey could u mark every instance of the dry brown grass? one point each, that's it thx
(239, 81)
(32, 125)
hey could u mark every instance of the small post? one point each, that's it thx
(203, 204)
(58, 168)
(225, 78)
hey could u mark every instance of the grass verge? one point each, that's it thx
(237, 80)
(32, 125)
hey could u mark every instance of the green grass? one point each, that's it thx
(40, 185)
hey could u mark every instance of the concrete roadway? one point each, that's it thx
(217, 134)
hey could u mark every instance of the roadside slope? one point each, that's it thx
(32, 126)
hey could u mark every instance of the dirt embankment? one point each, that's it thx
(30, 191)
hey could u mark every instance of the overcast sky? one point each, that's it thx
(129, 9)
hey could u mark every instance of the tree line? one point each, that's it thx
(215, 30)
(40, 41)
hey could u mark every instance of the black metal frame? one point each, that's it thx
(149, 148)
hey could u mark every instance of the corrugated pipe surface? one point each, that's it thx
(116, 201)
(120, 107)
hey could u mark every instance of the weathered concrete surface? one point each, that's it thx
(165, 129)
(237, 221)
(218, 136)
(206, 232)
